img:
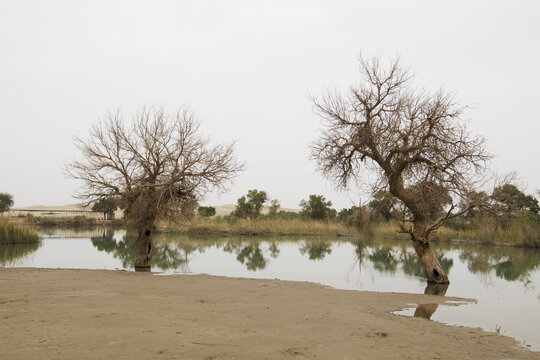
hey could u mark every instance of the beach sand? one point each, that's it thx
(89, 314)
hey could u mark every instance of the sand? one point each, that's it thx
(85, 314)
(75, 209)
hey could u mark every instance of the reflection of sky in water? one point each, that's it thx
(514, 306)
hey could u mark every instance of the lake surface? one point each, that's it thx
(504, 281)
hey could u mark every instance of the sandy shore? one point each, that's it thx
(84, 314)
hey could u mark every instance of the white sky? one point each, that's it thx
(246, 69)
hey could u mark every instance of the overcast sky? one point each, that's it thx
(246, 68)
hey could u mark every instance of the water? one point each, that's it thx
(504, 281)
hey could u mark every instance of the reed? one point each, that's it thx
(522, 231)
(16, 234)
(267, 226)
(517, 231)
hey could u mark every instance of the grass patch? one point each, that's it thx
(517, 231)
(16, 234)
(266, 227)
(522, 236)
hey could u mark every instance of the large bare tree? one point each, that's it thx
(415, 143)
(153, 167)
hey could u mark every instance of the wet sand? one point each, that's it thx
(88, 314)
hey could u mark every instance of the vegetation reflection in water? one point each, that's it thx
(173, 252)
(169, 253)
(9, 254)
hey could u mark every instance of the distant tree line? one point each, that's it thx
(505, 204)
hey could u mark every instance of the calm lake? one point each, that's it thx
(504, 281)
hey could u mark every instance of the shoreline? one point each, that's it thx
(269, 228)
(87, 314)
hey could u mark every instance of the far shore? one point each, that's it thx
(96, 314)
(81, 217)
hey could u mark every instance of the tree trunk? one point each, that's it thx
(144, 255)
(432, 268)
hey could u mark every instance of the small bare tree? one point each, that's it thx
(154, 167)
(416, 143)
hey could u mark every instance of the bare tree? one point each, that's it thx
(411, 140)
(154, 167)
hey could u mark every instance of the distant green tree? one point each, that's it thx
(207, 211)
(274, 207)
(250, 205)
(317, 208)
(243, 208)
(107, 206)
(383, 204)
(479, 197)
(257, 198)
(6, 202)
(510, 200)
(347, 215)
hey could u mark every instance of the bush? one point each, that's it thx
(317, 208)
(207, 211)
(250, 205)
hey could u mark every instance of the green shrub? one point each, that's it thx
(207, 211)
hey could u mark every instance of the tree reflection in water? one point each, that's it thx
(383, 260)
(250, 254)
(426, 310)
(274, 249)
(388, 258)
(316, 250)
(510, 264)
(173, 252)
(165, 255)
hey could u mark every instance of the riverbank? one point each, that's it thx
(84, 314)
(520, 235)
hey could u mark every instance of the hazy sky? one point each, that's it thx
(246, 68)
